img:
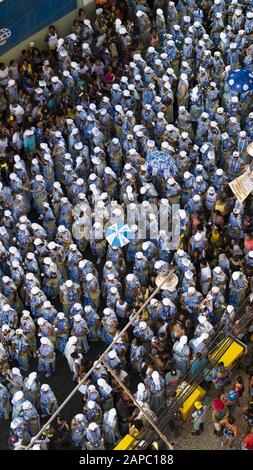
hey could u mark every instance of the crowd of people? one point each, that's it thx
(78, 121)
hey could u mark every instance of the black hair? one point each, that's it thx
(138, 424)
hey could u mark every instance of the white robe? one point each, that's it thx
(69, 349)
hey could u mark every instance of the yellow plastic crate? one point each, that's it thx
(187, 407)
(124, 443)
(232, 354)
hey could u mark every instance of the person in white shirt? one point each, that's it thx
(4, 74)
(17, 140)
(205, 276)
(13, 70)
(17, 111)
(98, 67)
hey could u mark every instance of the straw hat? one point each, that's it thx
(171, 283)
(250, 149)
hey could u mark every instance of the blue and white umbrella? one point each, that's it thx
(118, 235)
(240, 80)
(161, 164)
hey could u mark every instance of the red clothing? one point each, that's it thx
(238, 390)
(248, 244)
(108, 77)
(248, 442)
(119, 14)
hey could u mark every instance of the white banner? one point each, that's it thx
(243, 185)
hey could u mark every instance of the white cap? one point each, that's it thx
(79, 417)
(230, 308)
(143, 325)
(199, 179)
(217, 270)
(186, 262)
(170, 181)
(15, 264)
(107, 311)
(26, 405)
(19, 331)
(191, 290)
(77, 317)
(44, 387)
(45, 340)
(159, 12)
(188, 275)
(77, 306)
(92, 426)
(202, 319)
(112, 354)
(29, 276)
(236, 275)
(11, 83)
(35, 290)
(187, 175)
(26, 314)
(183, 340)
(6, 307)
(215, 290)
(91, 404)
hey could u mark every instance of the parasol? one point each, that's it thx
(250, 149)
(171, 283)
(161, 164)
(118, 235)
(240, 80)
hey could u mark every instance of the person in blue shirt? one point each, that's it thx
(31, 388)
(21, 348)
(46, 357)
(48, 402)
(5, 405)
(156, 386)
(31, 417)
